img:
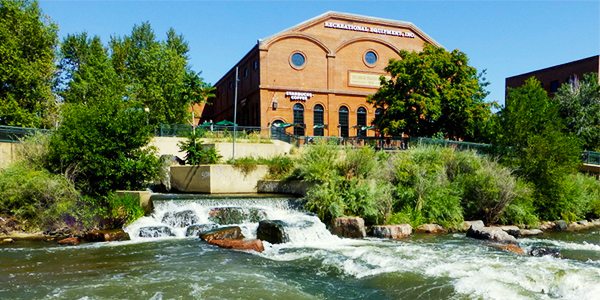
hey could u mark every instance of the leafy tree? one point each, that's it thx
(100, 146)
(27, 43)
(579, 104)
(532, 141)
(156, 74)
(86, 72)
(432, 91)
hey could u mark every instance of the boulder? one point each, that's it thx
(231, 232)
(7, 241)
(272, 231)
(547, 226)
(530, 232)
(491, 234)
(155, 231)
(512, 230)
(239, 244)
(514, 248)
(183, 218)
(197, 229)
(236, 215)
(71, 241)
(467, 224)
(106, 235)
(583, 222)
(349, 227)
(560, 225)
(431, 228)
(391, 231)
(545, 251)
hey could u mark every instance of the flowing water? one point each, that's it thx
(313, 265)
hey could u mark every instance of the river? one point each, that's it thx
(313, 265)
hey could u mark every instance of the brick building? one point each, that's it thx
(553, 77)
(315, 77)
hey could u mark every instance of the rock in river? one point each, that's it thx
(106, 235)
(431, 228)
(349, 227)
(231, 232)
(155, 231)
(391, 231)
(272, 231)
(236, 215)
(183, 218)
(198, 229)
(544, 251)
(238, 244)
(495, 234)
(71, 241)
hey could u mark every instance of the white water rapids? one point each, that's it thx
(473, 269)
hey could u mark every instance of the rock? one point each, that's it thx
(7, 241)
(180, 219)
(231, 232)
(544, 251)
(583, 222)
(467, 224)
(560, 225)
(349, 227)
(391, 231)
(530, 232)
(491, 234)
(239, 244)
(512, 230)
(155, 231)
(72, 241)
(272, 231)
(431, 228)
(197, 229)
(547, 226)
(236, 215)
(106, 235)
(510, 248)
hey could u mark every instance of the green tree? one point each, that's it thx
(532, 141)
(27, 43)
(432, 91)
(156, 74)
(579, 104)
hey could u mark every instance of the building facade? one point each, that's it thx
(553, 77)
(314, 78)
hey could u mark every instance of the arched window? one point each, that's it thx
(318, 120)
(298, 119)
(343, 116)
(277, 130)
(361, 121)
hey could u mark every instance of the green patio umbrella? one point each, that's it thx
(206, 124)
(282, 125)
(225, 123)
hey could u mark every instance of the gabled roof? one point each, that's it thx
(355, 18)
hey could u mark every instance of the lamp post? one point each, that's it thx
(147, 110)
(235, 96)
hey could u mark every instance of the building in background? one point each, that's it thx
(553, 77)
(314, 78)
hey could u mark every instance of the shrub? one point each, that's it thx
(245, 164)
(280, 166)
(196, 153)
(521, 211)
(318, 163)
(326, 201)
(360, 163)
(34, 150)
(124, 209)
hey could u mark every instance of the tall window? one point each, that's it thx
(343, 116)
(298, 119)
(361, 121)
(318, 117)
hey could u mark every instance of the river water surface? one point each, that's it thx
(313, 265)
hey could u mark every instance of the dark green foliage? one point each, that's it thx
(99, 146)
(432, 91)
(27, 45)
(534, 144)
(579, 105)
(521, 211)
(318, 163)
(280, 167)
(196, 153)
(124, 209)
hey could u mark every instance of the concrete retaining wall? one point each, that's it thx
(294, 187)
(215, 179)
(8, 153)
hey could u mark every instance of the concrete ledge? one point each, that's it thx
(144, 198)
(294, 187)
(216, 179)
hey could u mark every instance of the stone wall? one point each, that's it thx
(215, 179)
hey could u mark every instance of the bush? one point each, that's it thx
(41, 199)
(318, 163)
(124, 209)
(280, 167)
(196, 153)
(521, 211)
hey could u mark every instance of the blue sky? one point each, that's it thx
(504, 37)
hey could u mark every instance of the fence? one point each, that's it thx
(591, 157)
(218, 131)
(13, 134)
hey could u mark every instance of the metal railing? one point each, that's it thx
(12, 134)
(591, 157)
(184, 130)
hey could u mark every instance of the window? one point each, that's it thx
(255, 65)
(554, 84)
(370, 58)
(361, 121)
(343, 116)
(298, 60)
(298, 119)
(245, 72)
(318, 120)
